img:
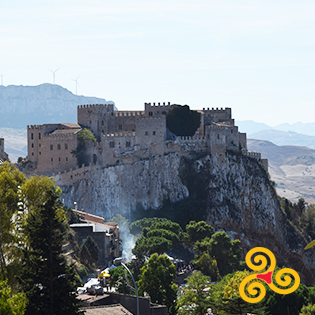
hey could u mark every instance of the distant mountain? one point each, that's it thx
(45, 103)
(291, 167)
(284, 138)
(299, 127)
(250, 126)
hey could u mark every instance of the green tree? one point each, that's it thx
(147, 246)
(225, 297)
(308, 309)
(46, 279)
(182, 121)
(195, 298)
(137, 226)
(225, 252)
(156, 279)
(89, 252)
(208, 266)
(10, 181)
(86, 138)
(11, 304)
(197, 231)
(121, 280)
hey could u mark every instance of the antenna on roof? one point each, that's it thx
(53, 72)
(76, 84)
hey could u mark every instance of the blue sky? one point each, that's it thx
(256, 57)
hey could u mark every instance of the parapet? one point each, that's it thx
(96, 106)
(29, 127)
(158, 104)
(120, 134)
(128, 113)
(216, 109)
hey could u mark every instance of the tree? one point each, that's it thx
(208, 266)
(147, 246)
(182, 121)
(137, 226)
(85, 139)
(225, 296)
(10, 181)
(195, 298)
(308, 309)
(224, 251)
(46, 279)
(156, 279)
(11, 304)
(197, 231)
(89, 252)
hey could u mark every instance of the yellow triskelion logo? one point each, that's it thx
(261, 262)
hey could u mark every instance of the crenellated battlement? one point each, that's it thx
(109, 106)
(148, 118)
(63, 136)
(128, 113)
(216, 109)
(33, 127)
(120, 134)
(158, 104)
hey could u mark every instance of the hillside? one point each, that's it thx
(291, 167)
(45, 103)
(233, 195)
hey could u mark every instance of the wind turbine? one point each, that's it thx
(76, 84)
(53, 72)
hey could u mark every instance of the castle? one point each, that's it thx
(3, 156)
(129, 136)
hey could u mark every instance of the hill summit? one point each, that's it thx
(44, 103)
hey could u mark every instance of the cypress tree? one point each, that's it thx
(49, 283)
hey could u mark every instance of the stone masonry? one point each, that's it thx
(129, 136)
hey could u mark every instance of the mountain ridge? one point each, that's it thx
(40, 104)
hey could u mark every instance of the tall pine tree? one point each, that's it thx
(45, 277)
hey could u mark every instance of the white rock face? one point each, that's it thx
(121, 188)
(236, 193)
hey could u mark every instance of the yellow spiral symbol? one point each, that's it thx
(260, 259)
(255, 287)
(252, 289)
(286, 281)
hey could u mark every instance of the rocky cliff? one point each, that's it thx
(233, 194)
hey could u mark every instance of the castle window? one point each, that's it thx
(150, 113)
(59, 159)
(32, 136)
(102, 122)
(153, 133)
(58, 146)
(39, 136)
(39, 144)
(66, 159)
(51, 147)
(231, 130)
(119, 127)
(218, 136)
(32, 145)
(164, 113)
(66, 146)
(146, 133)
(32, 153)
(51, 159)
(128, 144)
(40, 153)
(112, 144)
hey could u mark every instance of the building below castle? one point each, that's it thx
(3, 156)
(129, 136)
